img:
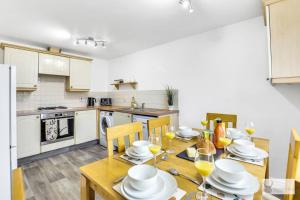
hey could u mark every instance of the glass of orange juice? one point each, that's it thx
(170, 134)
(204, 163)
(250, 129)
(225, 142)
(155, 145)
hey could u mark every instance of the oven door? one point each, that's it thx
(56, 129)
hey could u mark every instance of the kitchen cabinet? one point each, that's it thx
(283, 21)
(85, 126)
(80, 75)
(28, 136)
(54, 65)
(26, 63)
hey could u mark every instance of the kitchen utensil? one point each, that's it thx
(176, 173)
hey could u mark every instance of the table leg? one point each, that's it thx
(86, 192)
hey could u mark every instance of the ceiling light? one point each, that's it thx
(90, 41)
(187, 4)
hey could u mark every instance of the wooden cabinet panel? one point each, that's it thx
(80, 75)
(85, 126)
(54, 65)
(26, 63)
(28, 136)
(284, 22)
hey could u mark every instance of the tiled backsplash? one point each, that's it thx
(51, 92)
(151, 98)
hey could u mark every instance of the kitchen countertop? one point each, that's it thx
(146, 111)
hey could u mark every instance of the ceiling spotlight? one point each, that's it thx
(187, 4)
(90, 41)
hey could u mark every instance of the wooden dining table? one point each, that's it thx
(98, 177)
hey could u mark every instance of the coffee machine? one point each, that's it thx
(91, 101)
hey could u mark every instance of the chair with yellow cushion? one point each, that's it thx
(158, 125)
(226, 118)
(120, 132)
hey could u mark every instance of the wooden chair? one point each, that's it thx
(158, 125)
(293, 164)
(226, 118)
(119, 133)
(18, 192)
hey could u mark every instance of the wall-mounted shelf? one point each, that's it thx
(117, 85)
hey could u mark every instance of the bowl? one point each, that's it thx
(229, 170)
(184, 130)
(234, 133)
(142, 177)
(243, 142)
(141, 147)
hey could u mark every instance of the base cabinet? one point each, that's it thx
(85, 126)
(28, 136)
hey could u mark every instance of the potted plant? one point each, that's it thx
(170, 95)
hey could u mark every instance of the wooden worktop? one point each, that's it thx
(146, 111)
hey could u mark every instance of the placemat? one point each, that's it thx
(184, 155)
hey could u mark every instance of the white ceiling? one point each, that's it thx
(128, 25)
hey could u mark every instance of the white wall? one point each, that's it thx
(223, 70)
(99, 79)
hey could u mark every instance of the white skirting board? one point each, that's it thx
(57, 145)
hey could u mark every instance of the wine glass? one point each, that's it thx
(155, 145)
(170, 134)
(250, 129)
(225, 142)
(204, 163)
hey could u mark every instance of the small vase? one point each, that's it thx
(171, 107)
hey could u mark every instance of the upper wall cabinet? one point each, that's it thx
(283, 20)
(80, 75)
(26, 63)
(53, 65)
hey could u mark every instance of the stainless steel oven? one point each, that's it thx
(55, 127)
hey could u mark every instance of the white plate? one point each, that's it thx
(151, 192)
(133, 154)
(191, 134)
(251, 151)
(239, 185)
(234, 133)
(261, 154)
(252, 186)
(165, 193)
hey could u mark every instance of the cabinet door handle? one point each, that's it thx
(34, 85)
(71, 86)
(76, 113)
(37, 117)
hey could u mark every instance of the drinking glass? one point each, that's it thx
(204, 163)
(250, 129)
(225, 142)
(204, 124)
(170, 134)
(155, 145)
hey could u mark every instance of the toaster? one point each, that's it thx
(105, 102)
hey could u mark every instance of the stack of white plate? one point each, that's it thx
(246, 149)
(186, 132)
(234, 133)
(148, 183)
(139, 150)
(231, 177)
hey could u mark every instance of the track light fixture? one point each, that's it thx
(187, 4)
(90, 41)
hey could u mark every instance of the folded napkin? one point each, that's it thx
(223, 195)
(251, 161)
(178, 194)
(137, 161)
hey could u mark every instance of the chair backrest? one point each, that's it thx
(226, 118)
(293, 164)
(120, 132)
(158, 125)
(18, 188)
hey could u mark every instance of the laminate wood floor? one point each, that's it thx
(58, 177)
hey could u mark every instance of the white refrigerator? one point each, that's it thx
(8, 140)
